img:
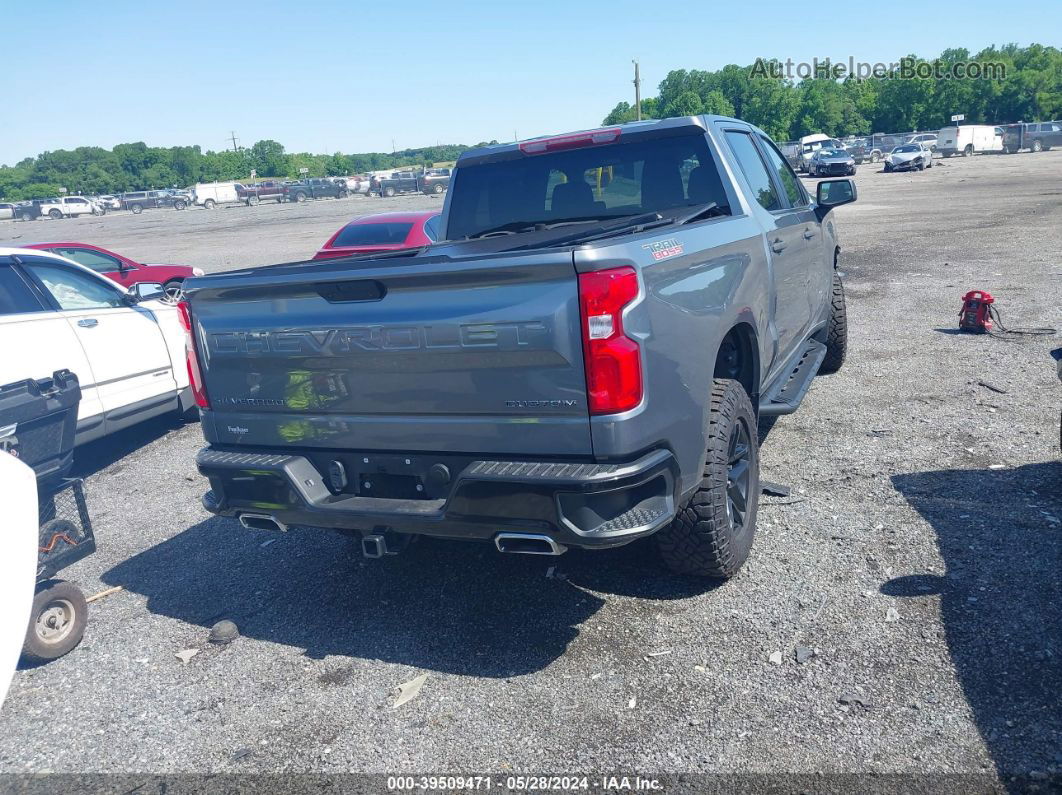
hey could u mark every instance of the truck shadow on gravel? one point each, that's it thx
(454, 607)
(1001, 600)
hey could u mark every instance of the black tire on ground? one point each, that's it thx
(252, 201)
(888, 166)
(388, 192)
(968, 151)
(438, 188)
(209, 204)
(136, 209)
(301, 197)
(55, 215)
(837, 330)
(180, 204)
(1037, 146)
(57, 621)
(921, 165)
(875, 157)
(712, 534)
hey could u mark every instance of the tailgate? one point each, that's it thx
(479, 355)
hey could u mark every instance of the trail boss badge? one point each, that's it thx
(662, 249)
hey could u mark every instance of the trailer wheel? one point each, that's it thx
(57, 623)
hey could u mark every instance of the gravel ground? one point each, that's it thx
(916, 562)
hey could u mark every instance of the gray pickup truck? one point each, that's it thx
(580, 363)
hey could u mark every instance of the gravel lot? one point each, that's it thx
(915, 489)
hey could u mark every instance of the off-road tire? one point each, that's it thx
(37, 648)
(702, 540)
(837, 330)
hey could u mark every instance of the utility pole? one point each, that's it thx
(637, 92)
(235, 148)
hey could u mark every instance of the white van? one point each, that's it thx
(211, 194)
(969, 139)
(810, 144)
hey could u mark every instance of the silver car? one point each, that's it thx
(909, 157)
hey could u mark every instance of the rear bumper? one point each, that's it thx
(575, 504)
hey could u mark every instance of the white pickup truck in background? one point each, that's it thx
(70, 207)
(126, 348)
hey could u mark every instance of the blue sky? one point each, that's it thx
(324, 75)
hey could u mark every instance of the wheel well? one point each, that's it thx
(738, 358)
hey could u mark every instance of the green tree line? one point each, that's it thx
(93, 170)
(1029, 89)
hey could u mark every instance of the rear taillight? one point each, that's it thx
(612, 359)
(195, 377)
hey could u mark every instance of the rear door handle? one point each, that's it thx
(88, 322)
(808, 234)
(777, 246)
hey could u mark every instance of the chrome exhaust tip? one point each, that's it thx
(261, 521)
(528, 544)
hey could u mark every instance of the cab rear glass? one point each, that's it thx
(598, 181)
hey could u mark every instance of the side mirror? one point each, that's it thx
(146, 291)
(833, 193)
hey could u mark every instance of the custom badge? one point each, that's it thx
(662, 249)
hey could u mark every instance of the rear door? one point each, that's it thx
(480, 355)
(123, 343)
(36, 341)
(817, 262)
(787, 247)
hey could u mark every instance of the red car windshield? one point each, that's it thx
(394, 233)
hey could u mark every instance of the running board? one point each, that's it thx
(786, 397)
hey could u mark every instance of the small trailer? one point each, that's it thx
(38, 420)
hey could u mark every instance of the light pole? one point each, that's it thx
(637, 91)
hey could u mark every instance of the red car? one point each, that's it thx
(123, 270)
(382, 232)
